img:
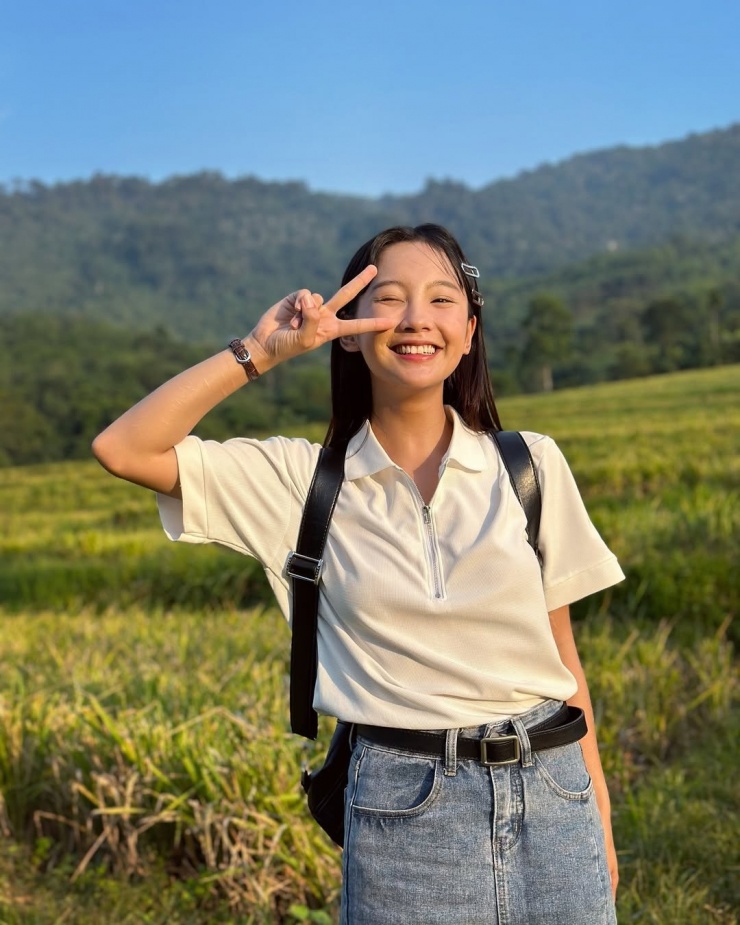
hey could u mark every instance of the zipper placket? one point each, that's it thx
(426, 512)
(431, 536)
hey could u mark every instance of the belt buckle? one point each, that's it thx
(486, 762)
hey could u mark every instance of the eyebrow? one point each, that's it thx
(377, 283)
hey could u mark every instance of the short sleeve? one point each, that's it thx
(576, 560)
(243, 494)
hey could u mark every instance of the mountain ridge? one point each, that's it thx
(202, 254)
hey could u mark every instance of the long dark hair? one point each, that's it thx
(468, 389)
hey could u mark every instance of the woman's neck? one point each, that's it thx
(415, 435)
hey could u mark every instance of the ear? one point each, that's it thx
(472, 322)
(349, 343)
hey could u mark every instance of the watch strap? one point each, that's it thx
(244, 357)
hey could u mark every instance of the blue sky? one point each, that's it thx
(354, 97)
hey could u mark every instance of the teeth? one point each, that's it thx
(413, 348)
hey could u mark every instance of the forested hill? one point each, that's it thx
(203, 255)
(619, 198)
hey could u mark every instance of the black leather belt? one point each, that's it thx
(566, 726)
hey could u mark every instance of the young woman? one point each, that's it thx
(435, 614)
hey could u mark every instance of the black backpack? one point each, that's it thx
(325, 787)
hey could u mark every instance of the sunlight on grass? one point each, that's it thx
(145, 757)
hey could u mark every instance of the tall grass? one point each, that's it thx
(656, 460)
(134, 732)
(127, 735)
(143, 716)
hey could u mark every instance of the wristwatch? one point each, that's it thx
(243, 356)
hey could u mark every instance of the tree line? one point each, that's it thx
(618, 316)
(65, 379)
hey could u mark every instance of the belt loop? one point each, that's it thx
(525, 747)
(451, 752)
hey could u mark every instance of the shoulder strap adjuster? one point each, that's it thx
(304, 568)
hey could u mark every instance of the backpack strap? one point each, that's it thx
(518, 461)
(305, 564)
(304, 567)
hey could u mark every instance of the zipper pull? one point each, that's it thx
(427, 514)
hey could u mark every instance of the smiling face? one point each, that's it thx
(416, 286)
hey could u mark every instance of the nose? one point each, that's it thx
(415, 316)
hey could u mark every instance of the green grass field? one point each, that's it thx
(146, 769)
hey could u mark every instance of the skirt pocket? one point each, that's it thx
(385, 783)
(564, 771)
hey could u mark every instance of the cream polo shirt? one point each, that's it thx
(430, 616)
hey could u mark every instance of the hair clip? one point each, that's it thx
(474, 273)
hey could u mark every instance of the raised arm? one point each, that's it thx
(139, 446)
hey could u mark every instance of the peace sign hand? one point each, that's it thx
(302, 322)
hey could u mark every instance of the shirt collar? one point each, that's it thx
(365, 455)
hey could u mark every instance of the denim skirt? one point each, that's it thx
(448, 841)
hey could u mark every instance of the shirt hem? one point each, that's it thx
(584, 583)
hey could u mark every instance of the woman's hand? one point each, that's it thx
(302, 322)
(611, 855)
(139, 446)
